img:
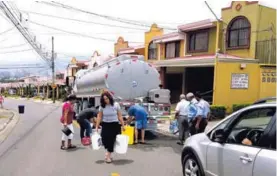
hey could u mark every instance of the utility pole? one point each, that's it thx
(53, 71)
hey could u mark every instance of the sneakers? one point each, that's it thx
(86, 141)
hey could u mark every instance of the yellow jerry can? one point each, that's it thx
(129, 131)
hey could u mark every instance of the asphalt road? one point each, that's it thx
(33, 148)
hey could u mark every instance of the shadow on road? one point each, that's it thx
(79, 147)
(117, 162)
(155, 141)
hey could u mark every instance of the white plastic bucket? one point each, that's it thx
(96, 141)
(121, 144)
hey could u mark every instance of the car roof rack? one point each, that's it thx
(264, 100)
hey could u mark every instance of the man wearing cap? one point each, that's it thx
(193, 112)
(182, 118)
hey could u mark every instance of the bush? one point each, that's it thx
(218, 112)
(237, 107)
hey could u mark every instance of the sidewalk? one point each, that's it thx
(5, 117)
(164, 127)
(8, 120)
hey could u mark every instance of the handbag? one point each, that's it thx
(66, 131)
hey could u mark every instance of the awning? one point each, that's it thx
(130, 49)
(204, 24)
(200, 61)
(169, 37)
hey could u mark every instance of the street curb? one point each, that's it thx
(4, 133)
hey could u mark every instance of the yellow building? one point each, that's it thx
(148, 49)
(231, 61)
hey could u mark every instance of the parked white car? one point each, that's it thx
(220, 151)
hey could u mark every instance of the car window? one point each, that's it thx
(220, 126)
(250, 126)
(257, 118)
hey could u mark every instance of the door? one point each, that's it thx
(233, 157)
(265, 163)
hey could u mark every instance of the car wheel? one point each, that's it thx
(191, 166)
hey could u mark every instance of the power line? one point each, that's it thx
(126, 21)
(83, 21)
(25, 33)
(13, 46)
(17, 51)
(7, 30)
(74, 33)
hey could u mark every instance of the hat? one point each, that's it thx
(182, 96)
(189, 95)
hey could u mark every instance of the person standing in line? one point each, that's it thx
(1, 100)
(138, 113)
(110, 116)
(85, 118)
(66, 120)
(192, 111)
(204, 109)
(182, 117)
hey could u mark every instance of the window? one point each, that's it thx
(198, 41)
(251, 125)
(172, 49)
(219, 127)
(152, 51)
(238, 33)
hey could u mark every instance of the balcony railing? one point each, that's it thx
(266, 51)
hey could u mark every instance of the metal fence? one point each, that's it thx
(266, 51)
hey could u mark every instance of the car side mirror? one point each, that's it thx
(219, 136)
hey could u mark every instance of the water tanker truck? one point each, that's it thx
(130, 80)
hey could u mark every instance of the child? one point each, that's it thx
(1, 100)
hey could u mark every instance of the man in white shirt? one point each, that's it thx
(182, 118)
(204, 111)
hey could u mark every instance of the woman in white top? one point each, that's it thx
(110, 116)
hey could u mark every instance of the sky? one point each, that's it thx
(165, 13)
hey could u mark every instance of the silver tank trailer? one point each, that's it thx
(127, 77)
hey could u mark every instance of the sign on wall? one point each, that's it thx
(239, 81)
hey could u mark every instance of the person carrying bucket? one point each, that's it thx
(84, 119)
(138, 113)
(66, 120)
(111, 118)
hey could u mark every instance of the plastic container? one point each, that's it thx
(121, 144)
(96, 141)
(21, 109)
(129, 131)
(66, 131)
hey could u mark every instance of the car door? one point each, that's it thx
(213, 159)
(232, 157)
(265, 163)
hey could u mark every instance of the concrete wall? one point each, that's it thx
(227, 96)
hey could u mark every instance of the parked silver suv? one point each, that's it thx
(221, 152)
